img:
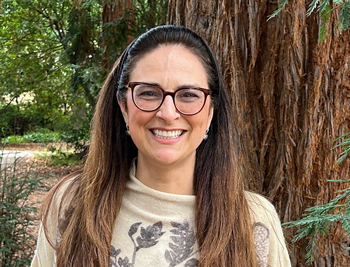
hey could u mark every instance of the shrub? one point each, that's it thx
(34, 137)
(76, 134)
(18, 119)
(16, 215)
(22, 118)
(59, 157)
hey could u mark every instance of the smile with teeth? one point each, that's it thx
(167, 134)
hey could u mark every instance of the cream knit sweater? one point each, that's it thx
(156, 229)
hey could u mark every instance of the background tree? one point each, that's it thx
(59, 52)
(290, 94)
(291, 98)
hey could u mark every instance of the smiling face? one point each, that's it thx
(165, 136)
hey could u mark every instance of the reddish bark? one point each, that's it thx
(112, 11)
(291, 97)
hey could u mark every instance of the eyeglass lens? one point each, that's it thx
(187, 100)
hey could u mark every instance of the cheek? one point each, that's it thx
(128, 109)
(207, 115)
(138, 118)
(200, 122)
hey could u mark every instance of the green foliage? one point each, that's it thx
(346, 147)
(61, 158)
(324, 8)
(33, 59)
(149, 14)
(35, 137)
(76, 132)
(29, 56)
(13, 121)
(324, 11)
(16, 215)
(25, 117)
(60, 53)
(320, 218)
(282, 4)
(344, 16)
(312, 6)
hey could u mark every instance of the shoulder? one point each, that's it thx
(263, 214)
(55, 206)
(61, 194)
(267, 231)
(53, 209)
(260, 207)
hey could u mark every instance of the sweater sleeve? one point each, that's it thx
(268, 234)
(45, 255)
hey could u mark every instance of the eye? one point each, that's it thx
(147, 92)
(189, 95)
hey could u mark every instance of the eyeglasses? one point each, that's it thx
(149, 97)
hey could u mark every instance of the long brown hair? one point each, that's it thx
(222, 212)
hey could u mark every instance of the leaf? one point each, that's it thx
(324, 6)
(177, 239)
(324, 11)
(149, 235)
(192, 263)
(346, 225)
(184, 239)
(342, 158)
(124, 262)
(282, 4)
(175, 231)
(145, 243)
(320, 217)
(175, 224)
(176, 249)
(322, 33)
(312, 7)
(133, 229)
(168, 256)
(345, 144)
(115, 252)
(112, 263)
(344, 16)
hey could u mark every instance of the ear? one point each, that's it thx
(124, 110)
(210, 116)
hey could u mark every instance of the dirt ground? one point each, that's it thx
(35, 146)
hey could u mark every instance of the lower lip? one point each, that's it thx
(167, 141)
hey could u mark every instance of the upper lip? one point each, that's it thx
(167, 130)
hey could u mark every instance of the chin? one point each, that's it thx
(168, 158)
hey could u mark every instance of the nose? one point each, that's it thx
(167, 110)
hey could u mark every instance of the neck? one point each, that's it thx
(176, 178)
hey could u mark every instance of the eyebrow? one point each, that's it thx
(178, 87)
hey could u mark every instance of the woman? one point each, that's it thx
(161, 184)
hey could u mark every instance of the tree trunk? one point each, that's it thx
(291, 97)
(115, 19)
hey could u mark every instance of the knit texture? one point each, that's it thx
(155, 228)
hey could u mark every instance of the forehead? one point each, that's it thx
(170, 65)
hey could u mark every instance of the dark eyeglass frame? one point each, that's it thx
(206, 92)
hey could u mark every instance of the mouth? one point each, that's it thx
(167, 134)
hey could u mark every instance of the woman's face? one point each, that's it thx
(165, 136)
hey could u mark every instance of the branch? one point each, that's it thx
(54, 26)
(7, 105)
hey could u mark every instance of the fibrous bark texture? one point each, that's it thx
(291, 97)
(112, 19)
